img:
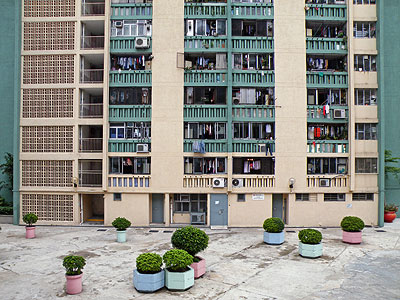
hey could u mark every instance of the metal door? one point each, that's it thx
(219, 210)
(277, 206)
(157, 208)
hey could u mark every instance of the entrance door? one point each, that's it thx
(157, 208)
(219, 210)
(277, 206)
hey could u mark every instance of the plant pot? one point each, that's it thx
(74, 284)
(273, 238)
(30, 232)
(311, 251)
(179, 281)
(147, 283)
(121, 236)
(199, 268)
(389, 216)
(352, 237)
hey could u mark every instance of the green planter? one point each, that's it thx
(179, 281)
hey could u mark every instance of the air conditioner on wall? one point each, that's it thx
(236, 100)
(142, 148)
(237, 182)
(324, 182)
(142, 43)
(339, 113)
(218, 182)
(118, 24)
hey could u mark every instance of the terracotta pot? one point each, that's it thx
(389, 216)
(199, 267)
(30, 232)
(352, 237)
(74, 284)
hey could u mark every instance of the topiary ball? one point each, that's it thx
(190, 239)
(310, 236)
(352, 224)
(121, 223)
(177, 260)
(273, 225)
(148, 263)
(30, 219)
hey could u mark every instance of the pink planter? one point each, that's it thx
(199, 267)
(30, 232)
(74, 284)
(352, 237)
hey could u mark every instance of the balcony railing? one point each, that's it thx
(205, 10)
(200, 181)
(253, 78)
(90, 145)
(93, 110)
(317, 45)
(326, 12)
(205, 43)
(90, 178)
(205, 77)
(126, 145)
(337, 114)
(92, 76)
(131, 11)
(256, 181)
(93, 9)
(205, 112)
(325, 79)
(253, 146)
(126, 113)
(130, 78)
(327, 146)
(253, 10)
(92, 42)
(335, 181)
(126, 44)
(129, 181)
(253, 112)
(253, 43)
(210, 145)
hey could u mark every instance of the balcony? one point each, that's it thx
(129, 181)
(256, 181)
(200, 181)
(92, 42)
(252, 146)
(326, 12)
(93, 8)
(327, 146)
(92, 110)
(126, 145)
(126, 45)
(253, 113)
(215, 113)
(252, 10)
(321, 45)
(90, 138)
(210, 145)
(130, 78)
(92, 76)
(337, 114)
(252, 43)
(90, 173)
(205, 44)
(252, 78)
(205, 78)
(126, 113)
(335, 181)
(205, 10)
(136, 11)
(325, 79)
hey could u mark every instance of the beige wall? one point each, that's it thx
(249, 213)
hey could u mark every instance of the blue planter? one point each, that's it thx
(147, 283)
(179, 281)
(121, 236)
(311, 251)
(274, 238)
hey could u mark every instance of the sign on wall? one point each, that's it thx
(258, 196)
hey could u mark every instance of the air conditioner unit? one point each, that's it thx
(237, 182)
(339, 113)
(262, 148)
(118, 24)
(341, 197)
(198, 218)
(324, 182)
(236, 100)
(142, 43)
(142, 148)
(218, 182)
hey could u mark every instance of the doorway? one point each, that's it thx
(92, 209)
(157, 208)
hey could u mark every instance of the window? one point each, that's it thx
(250, 61)
(258, 96)
(326, 132)
(326, 96)
(364, 29)
(130, 165)
(364, 1)
(131, 28)
(259, 165)
(241, 197)
(117, 197)
(133, 62)
(327, 165)
(201, 27)
(205, 165)
(130, 130)
(302, 197)
(365, 97)
(365, 131)
(190, 203)
(252, 28)
(205, 131)
(334, 197)
(363, 197)
(250, 130)
(130, 96)
(366, 165)
(365, 63)
(205, 95)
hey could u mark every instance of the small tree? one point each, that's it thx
(393, 170)
(7, 170)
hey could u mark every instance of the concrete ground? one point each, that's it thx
(239, 265)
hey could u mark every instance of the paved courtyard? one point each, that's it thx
(239, 265)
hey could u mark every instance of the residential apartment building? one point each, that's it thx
(216, 113)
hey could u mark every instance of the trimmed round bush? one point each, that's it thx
(121, 223)
(310, 236)
(148, 263)
(190, 239)
(177, 260)
(352, 224)
(30, 219)
(74, 264)
(273, 225)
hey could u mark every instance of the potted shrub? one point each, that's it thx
(352, 229)
(73, 266)
(121, 224)
(179, 276)
(30, 219)
(310, 243)
(390, 212)
(192, 240)
(273, 231)
(148, 275)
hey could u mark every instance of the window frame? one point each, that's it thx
(366, 165)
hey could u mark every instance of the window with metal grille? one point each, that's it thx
(366, 165)
(365, 63)
(363, 197)
(366, 131)
(241, 197)
(364, 29)
(365, 96)
(334, 197)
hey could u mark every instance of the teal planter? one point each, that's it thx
(179, 281)
(311, 251)
(121, 236)
(147, 283)
(273, 238)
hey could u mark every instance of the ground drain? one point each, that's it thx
(167, 231)
(290, 231)
(380, 230)
(101, 229)
(153, 230)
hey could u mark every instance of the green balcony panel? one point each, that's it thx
(317, 45)
(128, 113)
(252, 146)
(327, 146)
(205, 78)
(205, 10)
(126, 45)
(326, 12)
(136, 11)
(205, 44)
(252, 10)
(253, 78)
(130, 78)
(210, 145)
(213, 113)
(324, 79)
(337, 114)
(252, 44)
(125, 145)
(253, 113)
